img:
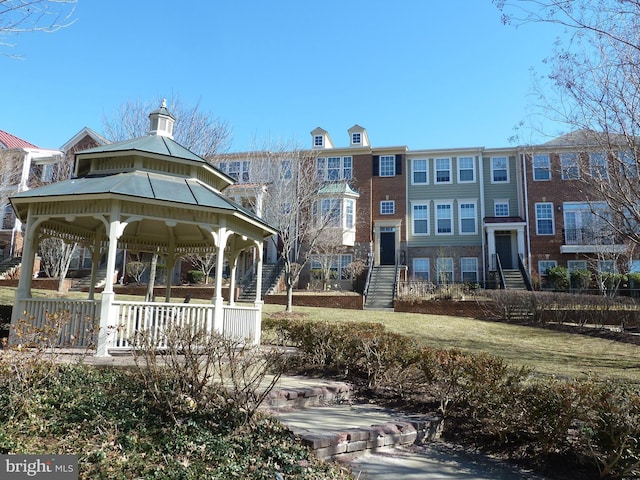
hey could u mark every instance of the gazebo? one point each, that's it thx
(149, 194)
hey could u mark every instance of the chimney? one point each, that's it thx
(162, 121)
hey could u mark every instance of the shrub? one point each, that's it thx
(195, 277)
(558, 277)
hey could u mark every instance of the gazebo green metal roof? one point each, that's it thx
(156, 144)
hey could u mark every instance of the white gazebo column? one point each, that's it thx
(96, 253)
(109, 314)
(26, 269)
(259, 254)
(232, 276)
(221, 237)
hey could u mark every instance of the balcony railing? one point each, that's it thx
(590, 236)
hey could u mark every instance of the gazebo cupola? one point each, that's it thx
(162, 121)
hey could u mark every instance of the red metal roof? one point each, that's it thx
(9, 141)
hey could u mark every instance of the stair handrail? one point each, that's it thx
(396, 281)
(524, 273)
(369, 274)
(275, 275)
(503, 284)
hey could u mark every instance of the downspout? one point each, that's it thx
(482, 216)
(526, 211)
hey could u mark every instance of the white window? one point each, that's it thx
(420, 219)
(569, 168)
(545, 265)
(329, 214)
(9, 218)
(628, 164)
(387, 165)
(541, 167)
(334, 168)
(347, 168)
(419, 175)
(356, 138)
(598, 165)
(469, 269)
(501, 208)
(467, 216)
(587, 223)
(443, 170)
(573, 265)
(444, 218)
(544, 219)
(349, 215)
(421, 268)
(444, 270)
(499, 170)
(318, 140)
(607, 266)
(387, 207)
(237, 170)
(466, 170)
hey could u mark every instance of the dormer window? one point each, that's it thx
(318, 141)
(356, 138)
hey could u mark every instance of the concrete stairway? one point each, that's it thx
(380, 292)
(513, 280)
(270, 275)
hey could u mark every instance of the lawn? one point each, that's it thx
(548, 352)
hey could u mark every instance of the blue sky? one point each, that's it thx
(427, 74)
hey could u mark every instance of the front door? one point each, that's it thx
(387, 248)
(503, 249)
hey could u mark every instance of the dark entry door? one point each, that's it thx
(503, 249)
(387, 248)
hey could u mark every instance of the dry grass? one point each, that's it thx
(548, 352)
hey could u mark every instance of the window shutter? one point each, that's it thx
(376, 165)
(398, 164)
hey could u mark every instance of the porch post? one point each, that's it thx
(95, 259)
(109, 314)
(491, 245)
(26, 270)
(520, 240)
(218, 313)
(232, 277)
(259, 254)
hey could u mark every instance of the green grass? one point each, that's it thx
(548, 352)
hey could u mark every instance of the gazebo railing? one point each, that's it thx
(75, 322)
(241, 323)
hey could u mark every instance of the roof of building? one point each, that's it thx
(8, 141)
(85, 131)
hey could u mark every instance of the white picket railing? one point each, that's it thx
(78, 320)
(241, 323)
(75, 320)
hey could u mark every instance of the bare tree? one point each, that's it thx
(199, 131)
(593, 88)
(204, 263)
(56, 256)
(291, 202)
(22, 16)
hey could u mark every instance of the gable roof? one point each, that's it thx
(8, 141)
(86, 131)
